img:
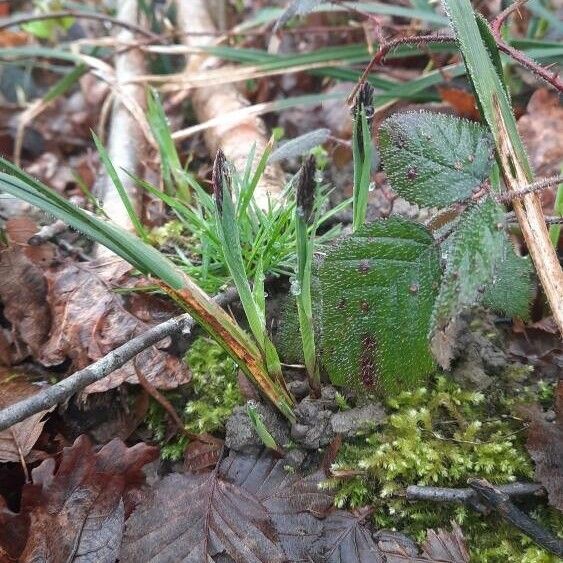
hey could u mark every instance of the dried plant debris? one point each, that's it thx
(16, 442)
(545, 445)
(23, 293)
(76, 511)
(90, 320)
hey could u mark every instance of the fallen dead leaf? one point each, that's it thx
(545, 446)
(249, 508)
(462, 101)
(23, 292)
(441, 545)
(17, 442)
(542, 131)
(90, 320)
(76, 512)
(19, 230)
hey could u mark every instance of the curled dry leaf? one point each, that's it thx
(23, 293)
(17, 442)
(89, 320)
(76, 512)
(545, 446)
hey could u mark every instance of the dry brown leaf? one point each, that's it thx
(542, 131)
(545, 446)
(76, 512)
(201, 455)
(23, 293)
(249, 508)
(20, 230)
(90, 320)
(462, 101)
(444, 546)
(17, 441)
(440, 546)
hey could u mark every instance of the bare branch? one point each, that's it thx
(60, 392)
(79, 14)
(499, 501)
(469, 496)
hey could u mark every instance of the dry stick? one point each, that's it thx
(126, 139)
(47, 233)
(387, 46)
(500, 502)
(237, 139)
(469, 496)
(26, 18)
(530, 216)
(60, 392)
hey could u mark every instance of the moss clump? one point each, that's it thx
(441, 436)
(213, 395)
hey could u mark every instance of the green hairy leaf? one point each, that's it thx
(512, 288)
(434, 160)
(471, 255)
(377, 289)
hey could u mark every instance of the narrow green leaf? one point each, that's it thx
(116, 180)
(377, 289)
(433, 159)
(140, 255)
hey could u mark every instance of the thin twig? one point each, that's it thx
(26, 18)
(544, 73)
(468, 496)
(60, 392)
(48, 232)
(537, 186)
(499, 501)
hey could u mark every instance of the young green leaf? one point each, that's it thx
(304, 217)
(471, 255)
(512, 288)
(362, 152)
(377, 290)
(434, 160)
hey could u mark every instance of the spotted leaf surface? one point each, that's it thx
(434, 160)
(472, 255)
(377, 288)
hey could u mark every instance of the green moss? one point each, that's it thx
(213, 394)
(441, 436)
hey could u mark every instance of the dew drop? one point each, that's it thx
(295, 288)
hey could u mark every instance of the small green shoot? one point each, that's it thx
(263, 433)
(362, 151)
(253, 302)
(305, 227)
(176, 179)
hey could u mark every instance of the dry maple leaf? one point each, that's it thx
(545, 446)
(90, 320)
(17, 441)
(75, 512)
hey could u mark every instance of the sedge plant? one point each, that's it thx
(305, 228)
(362, 152)
(252, 299)
(217, 322)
